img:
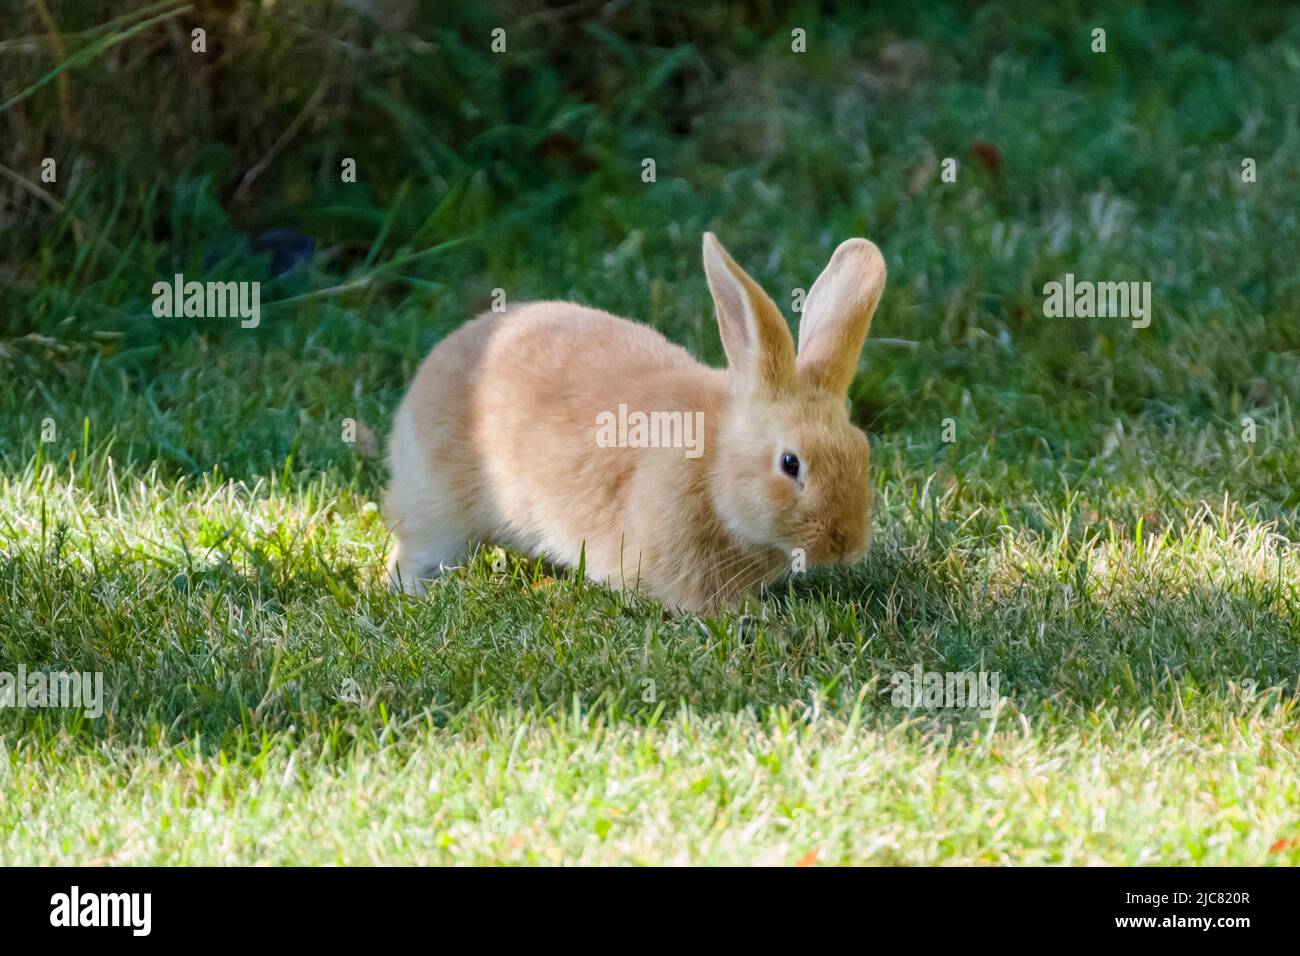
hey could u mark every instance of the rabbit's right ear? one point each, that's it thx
(760, 349)
(837, 314)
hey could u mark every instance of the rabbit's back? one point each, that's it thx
(502, 419)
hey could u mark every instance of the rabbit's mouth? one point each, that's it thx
(836, 544)
(857, 557)
(859, 554)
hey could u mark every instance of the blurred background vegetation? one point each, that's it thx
(522, 170)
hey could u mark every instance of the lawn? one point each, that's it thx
(1103, 516)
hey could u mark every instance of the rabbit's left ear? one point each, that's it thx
(759, 347)
(837, 314)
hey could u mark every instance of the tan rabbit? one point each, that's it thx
(504, 438)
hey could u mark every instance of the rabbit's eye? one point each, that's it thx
(790, 464)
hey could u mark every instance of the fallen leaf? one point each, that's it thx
(987, 155)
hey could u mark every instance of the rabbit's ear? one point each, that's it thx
(759, 347)
(837, 314)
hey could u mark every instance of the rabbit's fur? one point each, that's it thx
(496, 441)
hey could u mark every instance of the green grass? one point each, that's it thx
(1099, 533)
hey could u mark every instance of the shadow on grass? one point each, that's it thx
(238, 654)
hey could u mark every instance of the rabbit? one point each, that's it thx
(497, 442)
